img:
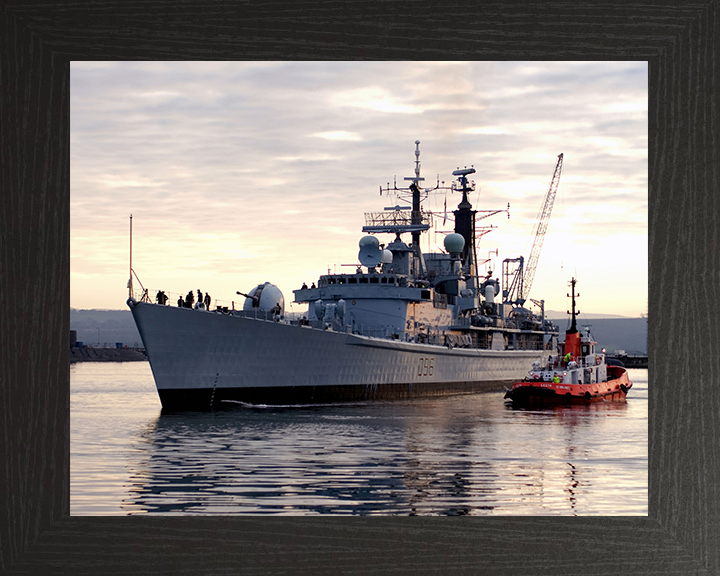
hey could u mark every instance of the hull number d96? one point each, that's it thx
(426, 366)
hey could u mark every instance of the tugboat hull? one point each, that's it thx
(551, 393)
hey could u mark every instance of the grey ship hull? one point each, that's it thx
(203, 360)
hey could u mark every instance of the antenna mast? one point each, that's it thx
(575, 312)
(416, 215)
(130, 286)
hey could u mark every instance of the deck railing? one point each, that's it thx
(173, 299)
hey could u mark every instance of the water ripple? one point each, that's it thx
(469, 455)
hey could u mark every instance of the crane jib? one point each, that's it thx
(517, 290)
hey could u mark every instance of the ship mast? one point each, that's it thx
(416, 215)
(572, 336)
(465, 221)
(573, 325)
(130, 286)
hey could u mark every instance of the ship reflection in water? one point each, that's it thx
(463, 455)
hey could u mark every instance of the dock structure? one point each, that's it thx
(93, 354)
(632, 360)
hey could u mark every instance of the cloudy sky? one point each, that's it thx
(237, 173)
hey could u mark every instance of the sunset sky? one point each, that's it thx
(237, 173)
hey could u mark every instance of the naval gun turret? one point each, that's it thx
(266, 298)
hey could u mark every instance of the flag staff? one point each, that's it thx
(130, 286)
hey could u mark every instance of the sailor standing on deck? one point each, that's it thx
(207, 301)
(567, 358)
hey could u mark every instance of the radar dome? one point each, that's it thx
(365, 240)
(266, 298)
(387, 257)
(370, 254)
(454, 243)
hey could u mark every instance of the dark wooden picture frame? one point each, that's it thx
(680, 41)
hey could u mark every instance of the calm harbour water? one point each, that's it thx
(461, 455)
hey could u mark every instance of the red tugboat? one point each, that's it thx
(578, 374)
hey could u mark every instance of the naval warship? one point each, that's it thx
(403, 324)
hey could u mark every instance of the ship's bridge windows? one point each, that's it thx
(352, 280)
(363, 280)
(374, 280)
(383, 280)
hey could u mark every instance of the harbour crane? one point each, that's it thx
(517, 289)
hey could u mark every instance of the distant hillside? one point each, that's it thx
(107, 327)
(629, 334)
(555, 314)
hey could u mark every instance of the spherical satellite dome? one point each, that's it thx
(265, 298)
(454, 243)
(386, 257)
(365, 240)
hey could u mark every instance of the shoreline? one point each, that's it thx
(90, 354)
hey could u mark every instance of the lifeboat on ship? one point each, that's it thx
(577, 374)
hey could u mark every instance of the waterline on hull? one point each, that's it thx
(201, 399)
